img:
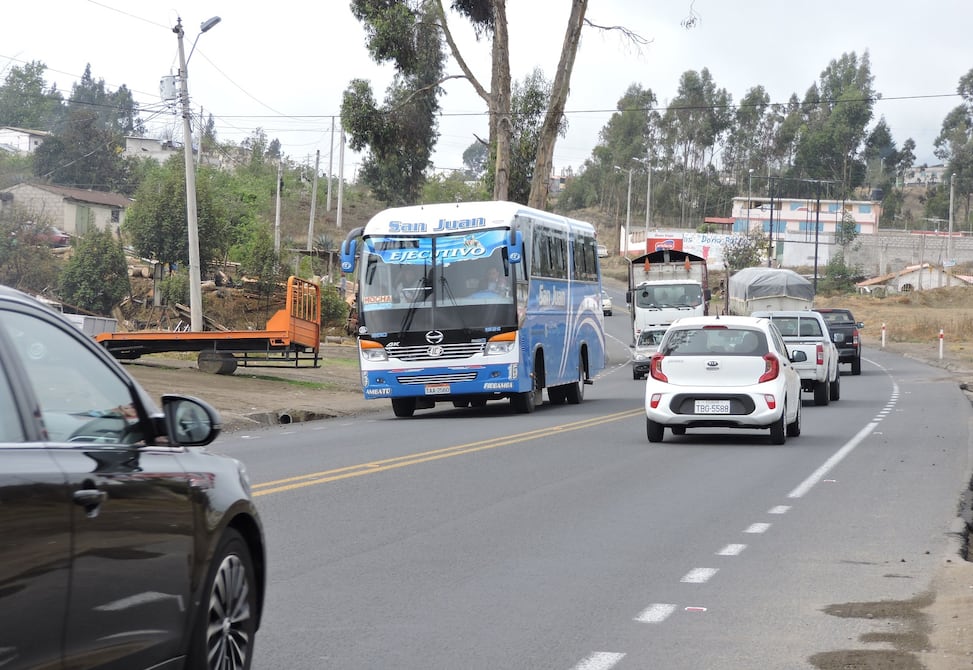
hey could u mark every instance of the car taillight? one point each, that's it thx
(655, 368)
(770, 400)
(771, 368)
(820, 358)
(854, 337)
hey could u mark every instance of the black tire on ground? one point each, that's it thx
(856, 366)
(636, 375)
(461, 403)
(794, 429)
(653, 430)
(557, 394)
(216, 362)
(777, 434)
(478, 402)
(224, 629)
(821, 393)
(404, 407)
(524, 403)
(574, 392)
(834, 388)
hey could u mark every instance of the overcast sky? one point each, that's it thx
(283, 67)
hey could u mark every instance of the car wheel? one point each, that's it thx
(821, 393)
(653, 430)
(678, 430)
(777, 435)
(856, 366)
(636, 375)
(794, 429)
(226, 624)
(834, 389)
(404, 407)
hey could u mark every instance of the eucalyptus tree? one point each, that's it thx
(400, 133)
(837, 112)
(25, 99)
(954, 146)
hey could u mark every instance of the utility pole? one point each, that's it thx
(277, 217)
(628, 213)
(330, 167)
(195, 282)
(314, 201)
(341, 175)
(949, 238)
(648, 198)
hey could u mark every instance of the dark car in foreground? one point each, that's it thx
(123, 542)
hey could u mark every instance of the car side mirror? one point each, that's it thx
(189, 421)
(860, 325)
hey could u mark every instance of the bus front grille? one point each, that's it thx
(444, 378)
(434, 352)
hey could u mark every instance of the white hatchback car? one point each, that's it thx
(723, 372)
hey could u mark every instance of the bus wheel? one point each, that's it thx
(524, 403)
(556, 394)
(404, 407)
(575, 390)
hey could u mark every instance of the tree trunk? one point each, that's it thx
(500, 101)
(544, 160)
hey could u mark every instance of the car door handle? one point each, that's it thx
(90, 499)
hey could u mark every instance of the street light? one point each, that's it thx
(195, 282)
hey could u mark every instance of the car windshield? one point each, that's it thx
(668, 295)
(709, 341)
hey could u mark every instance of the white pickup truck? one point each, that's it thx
(807, 331)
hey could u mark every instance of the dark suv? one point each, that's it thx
(123, 543)
(844, 333)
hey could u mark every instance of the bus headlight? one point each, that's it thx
(495, 348)
(501, 344)
(372, 351)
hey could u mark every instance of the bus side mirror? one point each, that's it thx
(349, 250)
(515, 242)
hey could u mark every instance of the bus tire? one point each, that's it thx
(575, 390)
(404, 407)
(524, 403)
(557, 394)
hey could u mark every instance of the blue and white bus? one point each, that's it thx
(478, 301)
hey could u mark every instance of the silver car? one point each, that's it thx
(723, 372)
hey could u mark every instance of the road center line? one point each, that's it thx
(372, 467)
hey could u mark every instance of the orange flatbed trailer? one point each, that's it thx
(290, 333)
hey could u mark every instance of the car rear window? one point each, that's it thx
(708, 341)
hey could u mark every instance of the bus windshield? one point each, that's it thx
(442, 282)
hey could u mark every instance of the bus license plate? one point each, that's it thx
(712, 407)
(437, 389)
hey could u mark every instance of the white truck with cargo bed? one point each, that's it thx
(807, 331)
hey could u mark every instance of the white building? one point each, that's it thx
(21, 140)
(73, 210)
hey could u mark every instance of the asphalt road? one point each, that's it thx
(563, 540)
